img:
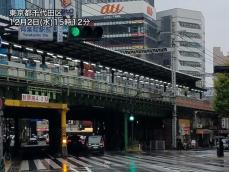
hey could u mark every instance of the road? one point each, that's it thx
(167, 161)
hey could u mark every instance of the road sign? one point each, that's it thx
(35, 33)
(60, 34)
(35, 98)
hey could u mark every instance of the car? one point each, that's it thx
(95, 143)
(42, 138)
(32, 141)
(74, 144)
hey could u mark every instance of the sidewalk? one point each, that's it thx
(7, 165)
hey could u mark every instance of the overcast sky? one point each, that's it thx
(216, 13)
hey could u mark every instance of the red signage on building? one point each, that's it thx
(111, 9)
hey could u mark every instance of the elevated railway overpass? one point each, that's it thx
(82, 97)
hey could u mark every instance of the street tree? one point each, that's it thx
(221, 99)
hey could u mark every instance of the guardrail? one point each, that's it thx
(77, 82)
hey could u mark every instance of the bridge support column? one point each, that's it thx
(64, 150)
(126, 131)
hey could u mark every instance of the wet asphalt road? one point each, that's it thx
(164, 161)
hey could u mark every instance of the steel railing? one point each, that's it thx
(78, 82)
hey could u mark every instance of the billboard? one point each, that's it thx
(118, 8)
(66, 5)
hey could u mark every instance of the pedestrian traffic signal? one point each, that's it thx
(85, 33)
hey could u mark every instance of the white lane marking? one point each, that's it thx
(115, 159)
(52, 164)
(94, 162)
(24, 165)
(88, 169)
(107, 162)
(73, 169)
(145, 164)
(188, 163)
(79, 162)
(165, 161)
(39, 164)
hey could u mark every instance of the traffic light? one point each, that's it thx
(131, 118)
(85, 33)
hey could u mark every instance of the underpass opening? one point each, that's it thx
(145, 132)
(89, 120)
(36, 123)
(110, 123)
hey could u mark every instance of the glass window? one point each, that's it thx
(189, 54)
(190, 63)
(189, 44)
(189, 25)
(190, 35)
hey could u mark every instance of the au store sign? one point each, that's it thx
(35, 98)
(128, 7)
(35, 33)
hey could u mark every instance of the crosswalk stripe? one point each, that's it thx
(79, 162)
(24, 165)
(188, 164)
(114, 159)
(148, 164)
(39, 164)
(88, 169)
(95, 163)
(107, 162)
(52, 164)
(63, 161)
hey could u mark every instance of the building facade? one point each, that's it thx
(186, 29)
(219, 59)
(6, 5)
(126, 24)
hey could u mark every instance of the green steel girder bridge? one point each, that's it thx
(78, 91)
(67, 88)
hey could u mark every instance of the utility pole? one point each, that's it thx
(174, 91)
